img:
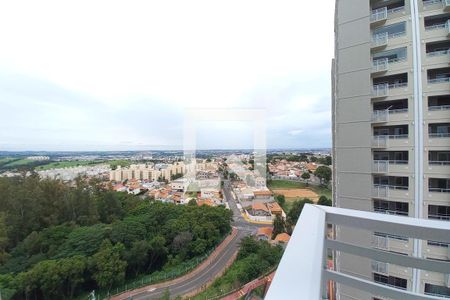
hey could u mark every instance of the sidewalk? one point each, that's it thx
(198, 269)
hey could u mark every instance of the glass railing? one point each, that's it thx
(380, 39)
(380, 65)
(439, 134)
(437, 26)
(438, 53)
(439, 162)
(439, 80)
(380, 90)
(378, 14)
(439, 217)
(439, 190)
(380, 267)
(431, 2)
(439, 107)
(392, 162)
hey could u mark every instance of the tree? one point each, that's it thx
(72, 270)
(281, 199)
(279, 226)
(306, 177)
(137, 256)
(109, 268)
(324, 174)
(323, 200)
(295, 211)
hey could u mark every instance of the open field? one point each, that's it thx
(19, 162)
(288, 185)
(298, 190)
(297, 193)
(66, 164)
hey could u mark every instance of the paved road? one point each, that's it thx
(200, 279)
(217, 265)
(238, 221)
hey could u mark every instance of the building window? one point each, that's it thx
(432, 289)
(390, 280)
(390, 207)
(439, 212)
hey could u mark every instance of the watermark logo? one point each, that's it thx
(251, 167)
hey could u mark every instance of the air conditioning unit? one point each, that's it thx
(447, 280)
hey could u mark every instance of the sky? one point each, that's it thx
(107, 75)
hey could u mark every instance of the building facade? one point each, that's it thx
(391, 131)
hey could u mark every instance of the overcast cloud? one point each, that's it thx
(104, 75)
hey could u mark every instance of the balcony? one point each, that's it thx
(437, 26)
(439, 76)
(386, 115)
(439, 134)
(438, 52)
(378, 16)
(388, 166)
(380, 242)
(380, 40)
(380, 90)
(438, 162)
(380, 267)
(303, 273)
(387, 141)
(380, 65)
(380, 191)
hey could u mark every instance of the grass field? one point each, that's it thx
(67, 164)
(76, 163)
(5, 160)
(19, 162)
(284, 185)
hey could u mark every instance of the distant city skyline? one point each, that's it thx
(124, 83)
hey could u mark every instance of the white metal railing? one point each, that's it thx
(380, 39)
(380, 267)
(439, 217)
(439, 52)
(439, 107)
(439, 190)
(380, 90)
(380, 166)
(431, 2)
(437, 26)
(379, 65)
(439, 134)
(380, 191)
(380, 141)
(439, 80)
(303, 272)
(395, 10)
(439, 162)
(380, 242)
(380, 115)
(378, 14)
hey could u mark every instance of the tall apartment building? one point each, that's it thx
(391, 125)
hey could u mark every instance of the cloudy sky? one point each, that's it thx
(104, 75)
